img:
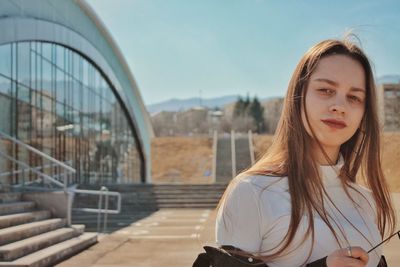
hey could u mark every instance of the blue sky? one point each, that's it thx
(188, 48)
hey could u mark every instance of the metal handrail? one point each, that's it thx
(36, 168)
(35, 171)
(38, 152)
(68, 169)
(102, 192)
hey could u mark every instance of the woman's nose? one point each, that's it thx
(338, 106)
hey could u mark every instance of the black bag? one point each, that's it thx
(220, 257)
(225, 256)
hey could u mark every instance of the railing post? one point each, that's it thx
(98, 214)
(251, 147)
(23, 179)
(65, 181)
(69, 207)
(214, 166)
(233, 154)
(105, 211)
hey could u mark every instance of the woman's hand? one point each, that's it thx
(348, 257)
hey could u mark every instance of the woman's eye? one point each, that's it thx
(355, 99)
(325, 91)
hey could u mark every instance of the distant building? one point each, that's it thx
(389, 106)
(66, 89)
(195, 121)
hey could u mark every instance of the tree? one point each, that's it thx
(248, 115)
(256, 111)
(239, 107)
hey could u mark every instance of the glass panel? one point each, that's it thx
(76, 65)
(46, 51)
(60, 86)
(60, 57)
(47, 78)
(77, 94)
(85, 72)
(5, 62)
(23, 93)
(5, 85)
(23, 61)
(24, 121)
(5, 116)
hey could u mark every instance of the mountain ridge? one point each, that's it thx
(177, 104)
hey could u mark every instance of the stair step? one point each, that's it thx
(205, 194)
(188, 205)
(55, 253)
(20, 218)
(183, 197)
(184, 201)
(15, 207)
(10, 197)
(15, 233)
(26, 246)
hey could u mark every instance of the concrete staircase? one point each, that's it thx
(140, 200)
(243, 158)
(223, 172)
(224, 157)
(31, 237)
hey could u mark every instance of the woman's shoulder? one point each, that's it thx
(264, 182)
(365, 191)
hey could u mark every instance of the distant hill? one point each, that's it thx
(388, 79)
(176, 104)
(185, 104)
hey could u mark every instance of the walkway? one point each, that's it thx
(170, 237)
(166, 237)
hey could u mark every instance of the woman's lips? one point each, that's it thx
(335, 123)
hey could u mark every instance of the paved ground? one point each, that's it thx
(167, 236)
(170, 237)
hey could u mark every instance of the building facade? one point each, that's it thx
(66, 90)
(389, 106)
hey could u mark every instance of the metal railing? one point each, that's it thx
(34, 170)
(103, 192)
(38, 170)
(68, 170)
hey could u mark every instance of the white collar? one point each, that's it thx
(330, 173)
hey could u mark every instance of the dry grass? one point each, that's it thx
(182, 160)
(390, 156)
(189, 159)
(391, 160)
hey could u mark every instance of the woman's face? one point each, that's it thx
(335, 100)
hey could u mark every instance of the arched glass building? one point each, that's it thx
(66, 90)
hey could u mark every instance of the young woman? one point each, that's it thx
(300, 203)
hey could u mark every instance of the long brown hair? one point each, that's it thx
(289, 155)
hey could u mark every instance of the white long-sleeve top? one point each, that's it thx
(256, 219)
